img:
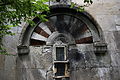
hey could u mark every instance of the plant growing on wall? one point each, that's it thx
(13, 12)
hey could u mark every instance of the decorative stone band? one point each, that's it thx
(100, 47)
(22, 50)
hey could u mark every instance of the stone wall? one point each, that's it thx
(89, 66)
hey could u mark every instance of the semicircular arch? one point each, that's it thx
(84, 17)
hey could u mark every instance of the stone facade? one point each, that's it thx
(85, 62)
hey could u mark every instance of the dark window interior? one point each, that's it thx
(59, 53)
(60, 69)
(62, 78)
(58, 79)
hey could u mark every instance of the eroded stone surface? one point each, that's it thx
(85, 65)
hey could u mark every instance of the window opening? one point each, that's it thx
(60, 53)
(60, 69)
(60, 62)
(62, 78)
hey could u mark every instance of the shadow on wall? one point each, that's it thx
(76, 55)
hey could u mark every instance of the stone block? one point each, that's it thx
(117, 19)
(117, 38)
(100, 47)
(2, 75)
(2, 61)
(106, 22)
(23, 50)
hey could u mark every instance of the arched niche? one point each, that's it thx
(78, 27)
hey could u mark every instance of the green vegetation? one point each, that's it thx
(12, 12)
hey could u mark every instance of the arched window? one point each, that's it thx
(65, 28)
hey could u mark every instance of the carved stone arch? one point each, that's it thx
(84, 17)
(56, 35)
